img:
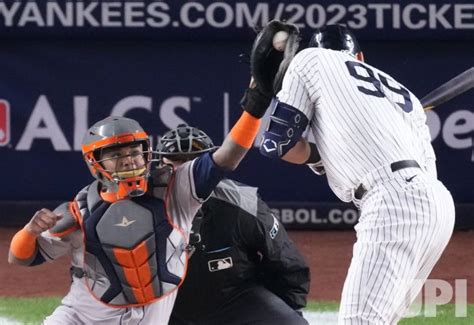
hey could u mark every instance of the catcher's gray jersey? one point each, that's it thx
(79, 306)
(360, 117)
(376, 150)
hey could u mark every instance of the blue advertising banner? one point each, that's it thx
(66, 64)
(232, 20)
(51, 92)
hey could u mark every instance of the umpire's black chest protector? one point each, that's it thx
(133, 255)
(222, 265)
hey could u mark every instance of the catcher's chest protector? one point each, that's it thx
(133, 255)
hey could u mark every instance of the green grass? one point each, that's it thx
(34, 310)
(322, 306)
(445, 314)
(28, 310)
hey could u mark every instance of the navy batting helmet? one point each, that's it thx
(184, 143)
(336, 37)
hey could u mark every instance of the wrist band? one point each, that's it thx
(245, 130)
(23, 244)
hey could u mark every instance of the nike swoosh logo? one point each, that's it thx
(409, 179)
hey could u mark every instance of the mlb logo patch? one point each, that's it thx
(220, 264)
(4, 122)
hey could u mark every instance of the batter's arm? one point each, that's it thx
(299, 154)
(292, 112)
(305, 152)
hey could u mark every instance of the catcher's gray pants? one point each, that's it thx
(79, 307)
(405, 224)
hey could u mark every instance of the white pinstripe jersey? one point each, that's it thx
(360, 117)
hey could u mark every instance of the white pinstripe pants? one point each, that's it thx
(403, 229)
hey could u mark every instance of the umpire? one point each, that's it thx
(243, 267)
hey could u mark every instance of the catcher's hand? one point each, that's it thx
(43, 220)
(268, 66)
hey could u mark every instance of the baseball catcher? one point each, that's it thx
(128, 230)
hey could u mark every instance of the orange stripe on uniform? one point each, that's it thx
(65, 232)
(149, 293)
(139, 296)
(124, 257)
(23, 244)
(76, 213)
(137, 271)
(245, 130)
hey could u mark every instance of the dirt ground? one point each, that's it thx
(327, 252)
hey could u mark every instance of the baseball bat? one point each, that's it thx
(450, 89)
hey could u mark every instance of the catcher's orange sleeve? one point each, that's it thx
(23, 244)
(245, 130)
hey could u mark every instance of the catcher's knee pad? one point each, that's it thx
(286, 126)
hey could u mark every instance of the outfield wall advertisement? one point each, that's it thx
(55, 83)
(232, 20)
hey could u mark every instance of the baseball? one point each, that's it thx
(279, 40)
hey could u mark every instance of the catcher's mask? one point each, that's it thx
(117, 151)
(339, 38)
(184, 143)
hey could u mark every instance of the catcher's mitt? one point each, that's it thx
(269, 65)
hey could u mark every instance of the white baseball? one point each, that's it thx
(279, 40)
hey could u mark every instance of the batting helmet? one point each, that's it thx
(184, 143)
(336, 37)
(115, 132)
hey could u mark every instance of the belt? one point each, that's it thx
(361, 190)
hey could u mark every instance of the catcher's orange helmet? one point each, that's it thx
(116, 132)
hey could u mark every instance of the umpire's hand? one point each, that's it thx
(43, 220)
